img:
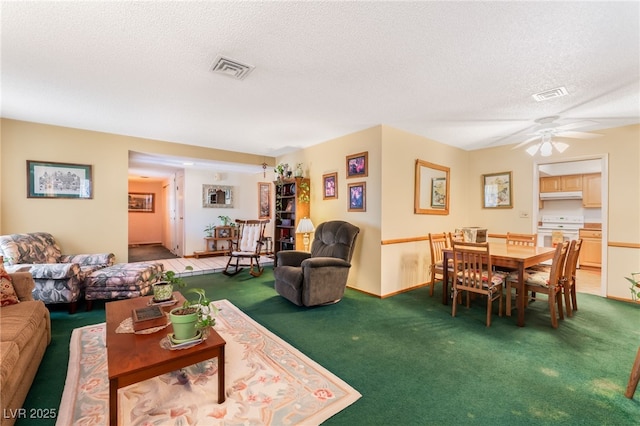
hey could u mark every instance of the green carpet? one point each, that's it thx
(416, 365)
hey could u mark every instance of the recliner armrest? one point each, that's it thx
(321, 262)
(291, 257)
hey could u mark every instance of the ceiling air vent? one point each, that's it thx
(231, 68)
(550, 94)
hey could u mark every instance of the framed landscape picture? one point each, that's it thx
(330, 186)
(357, 165)
(357, 197)
(46, 179)
(142, 202)
(497, 191)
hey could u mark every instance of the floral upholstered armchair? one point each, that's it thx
(59, 278)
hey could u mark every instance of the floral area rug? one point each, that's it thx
(268, 382)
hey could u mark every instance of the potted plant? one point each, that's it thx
(635, 286)
(209, 230)
(163, 288)
(225, 220)
(190, 319)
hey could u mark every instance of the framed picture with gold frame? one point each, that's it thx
(264, 200)
(358, 165)
(330, 186)
(497, 192)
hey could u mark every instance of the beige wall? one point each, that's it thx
(81, 226)
(380, 269)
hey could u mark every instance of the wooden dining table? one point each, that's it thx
(507, 256)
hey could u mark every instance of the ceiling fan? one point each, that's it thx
(547, 129)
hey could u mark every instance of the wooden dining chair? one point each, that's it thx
(456, 235)
(437, 242)
(550, 283)
(530, 240)
(570, 266)
(475, 274)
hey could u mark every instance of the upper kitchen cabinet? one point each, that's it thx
(591, 189)
(564, 183)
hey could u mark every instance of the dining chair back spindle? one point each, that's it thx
(475, 274)
(437, 242)
(522, 239)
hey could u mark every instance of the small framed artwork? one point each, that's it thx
(357, 197)
(438, 192)
(497, 191)
(264, 200)
(46, 179)
(358, 165)
(330, 186)
(142, 202)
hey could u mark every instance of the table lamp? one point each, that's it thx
(305, 226)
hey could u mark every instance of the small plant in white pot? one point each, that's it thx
(190, 319)
(163, 288)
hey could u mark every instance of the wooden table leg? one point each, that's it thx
(113, 402)
(445, 278)
(634, 377)
(221, 389)
(522, 297)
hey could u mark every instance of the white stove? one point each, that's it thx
(569, 226)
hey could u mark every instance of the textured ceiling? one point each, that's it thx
(461, 73)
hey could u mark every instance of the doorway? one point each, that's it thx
(595, 216)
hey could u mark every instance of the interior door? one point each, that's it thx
(176, 214)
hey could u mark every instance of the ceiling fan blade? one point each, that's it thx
(521, 144)
(576, 125)
(578, 135)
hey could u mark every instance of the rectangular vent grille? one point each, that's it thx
(550, 94)
(231, 68)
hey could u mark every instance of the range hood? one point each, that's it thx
(569, 195)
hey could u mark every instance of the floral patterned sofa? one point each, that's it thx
(59, 277)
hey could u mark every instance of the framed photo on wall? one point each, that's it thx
(142, 202)
(330, 186)
(46, 179)
(357, 197)
(358, 165)
(264, 200)
(497, 191)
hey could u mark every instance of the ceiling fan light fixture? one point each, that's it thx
(560, 146)
(533, 149)
(546, 149)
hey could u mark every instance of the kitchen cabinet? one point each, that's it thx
(591, 251)
(591, 190)
(561, 183)
(292, 204)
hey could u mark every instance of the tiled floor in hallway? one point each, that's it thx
(201, 266)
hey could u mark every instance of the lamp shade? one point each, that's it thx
(305, 225)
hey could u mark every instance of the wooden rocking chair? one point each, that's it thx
(247, 248)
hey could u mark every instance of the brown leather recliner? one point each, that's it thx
(319, 277)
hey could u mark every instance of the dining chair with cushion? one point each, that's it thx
(570, 266)
(437, 242)
(476, 275)
(550, 283)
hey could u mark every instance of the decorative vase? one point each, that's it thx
(299, 172)
(184, 324)
(162, 291)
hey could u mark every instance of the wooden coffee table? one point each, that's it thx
(133, 358)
